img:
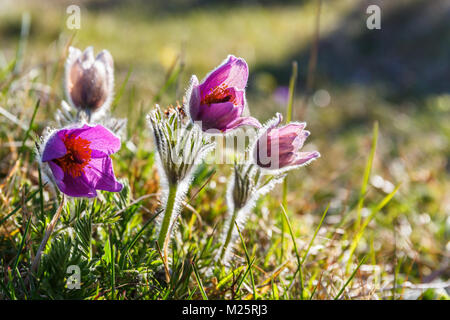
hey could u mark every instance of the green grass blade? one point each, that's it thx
(121, 90)
(366, 175)
(22, 244)
(299, 260)
(135, 238)
(349, 279)
(41, 194)
(199, 281)
(18, 207)
(229, 276)
(24, 33)
(315, 233)
(374, 211)
(244, 276)
(27, 133)
(292, 82)
(112, 266)
(247, 256)
(289, 111)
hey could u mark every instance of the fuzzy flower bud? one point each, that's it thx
(180, 148)
(89, 80)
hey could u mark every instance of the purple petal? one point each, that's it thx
(217, 115)
(300, 139)
(76, 187)
(54, 148)
(194, 99)
(292, 128)
(99, 174)
(58, 173)
(275, 122)
(306, 157)
(233, 72)
(101, 139)
(285, 159)
(243, 121)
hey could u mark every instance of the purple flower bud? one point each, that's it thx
(219, 100)
(89, 81)
(79, 160)
(278, 147)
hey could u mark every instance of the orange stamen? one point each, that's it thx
(77, 157)
(219, 94)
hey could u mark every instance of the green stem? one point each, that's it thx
(283, 222)
(229, 234)
(170, 206)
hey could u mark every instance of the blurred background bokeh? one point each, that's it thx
(398, 76)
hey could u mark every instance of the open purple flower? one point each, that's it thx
(79, 160)
(277, 148)
(219, 100)
(89, 80)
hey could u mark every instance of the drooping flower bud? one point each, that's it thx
(89, 80)
(217, 103)
(277, 148)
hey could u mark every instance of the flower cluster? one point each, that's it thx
(216, 104)
(77, 160)
(76, 157)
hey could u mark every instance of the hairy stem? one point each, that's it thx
(229, 234)
(168, 212)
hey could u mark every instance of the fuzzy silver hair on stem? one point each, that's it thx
(180, 148)
(244, 188)
(273, 153)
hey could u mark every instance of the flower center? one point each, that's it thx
(218, 94)
(77, 157)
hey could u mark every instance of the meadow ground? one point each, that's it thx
(387, 88)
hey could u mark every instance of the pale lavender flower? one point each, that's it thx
(277, 148)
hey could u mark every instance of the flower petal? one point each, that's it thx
(217, 115)
(75, 187)
(87, 58)
(58, 173)
(303, 158)
(243, 121)
(292, 128)
(54, 148)
(193, 97)
(233, 72)
(99, 174)
(101, 139)
(106, 58)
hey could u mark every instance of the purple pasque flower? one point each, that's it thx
(219, 100)
(277, 148)
(79, 160)
(89, 80)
